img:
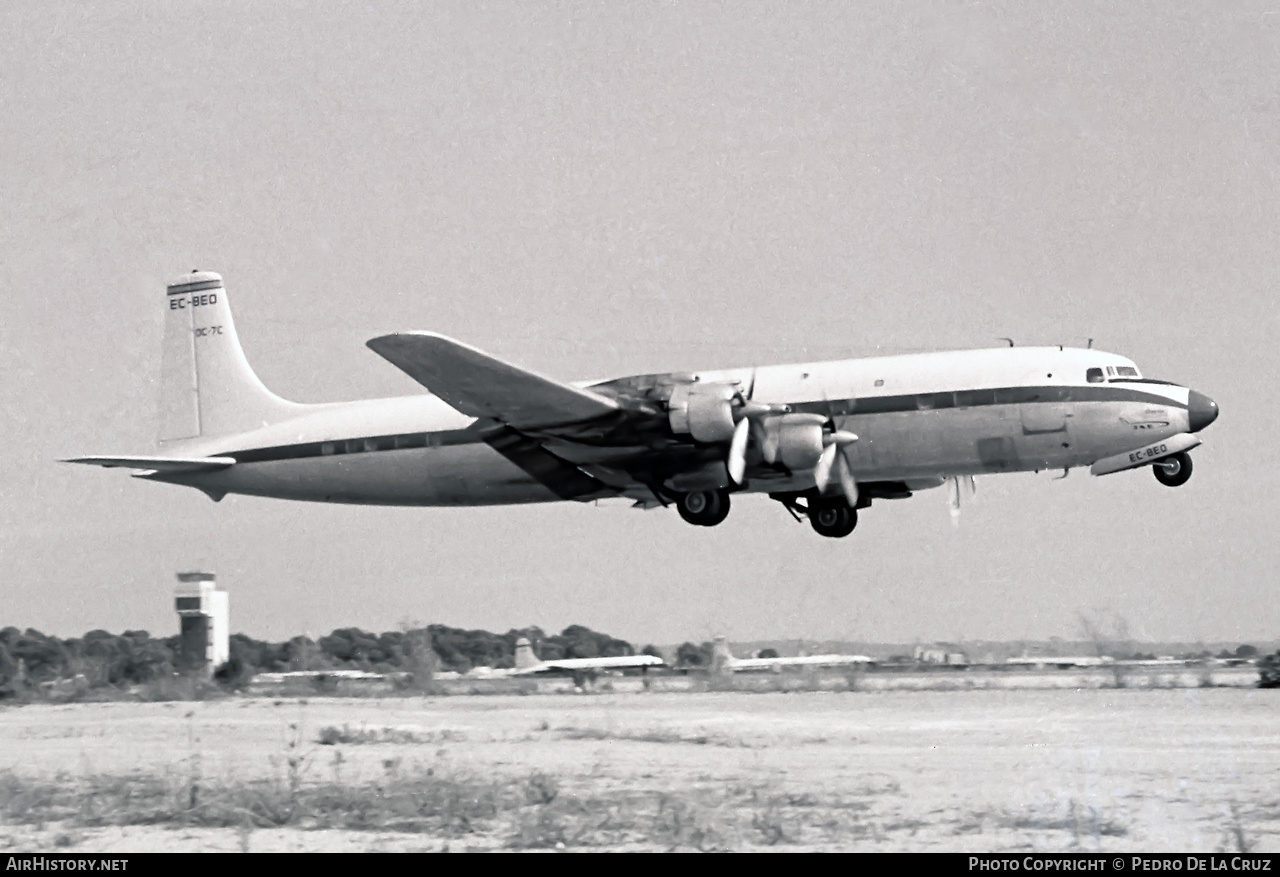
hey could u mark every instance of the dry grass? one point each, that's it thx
(531, 813)
(1076, 821)
(398, 801)
(712, 771)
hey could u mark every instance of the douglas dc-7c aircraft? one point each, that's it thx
(824, 439)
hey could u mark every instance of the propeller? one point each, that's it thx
(738, 450)
(833, 458)
(750, 416)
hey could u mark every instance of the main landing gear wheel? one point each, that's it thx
(833, 519)
(1173, 470)
(705, 508)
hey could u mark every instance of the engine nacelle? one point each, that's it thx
(797, 437)
(704, 411)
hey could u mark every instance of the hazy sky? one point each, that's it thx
(599, 189)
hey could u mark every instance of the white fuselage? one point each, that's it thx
(920, 418)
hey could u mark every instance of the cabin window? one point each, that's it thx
(326, 448)
(1094, 376)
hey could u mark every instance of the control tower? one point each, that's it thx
(205, 638)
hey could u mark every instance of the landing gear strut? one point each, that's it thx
(1173, 470)
(829, 517)
(832, 518)
(705, 508)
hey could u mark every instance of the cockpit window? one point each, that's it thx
(1094, 376)
(1126, 371)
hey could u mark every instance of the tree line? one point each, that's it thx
(29, 658)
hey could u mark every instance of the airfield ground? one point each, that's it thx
(1131, 769)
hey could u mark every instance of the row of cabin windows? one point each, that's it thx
(1113, 373)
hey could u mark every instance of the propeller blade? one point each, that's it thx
(738, 451)
(847, 483)
(822, 472)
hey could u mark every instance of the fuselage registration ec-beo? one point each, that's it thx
(825, 439)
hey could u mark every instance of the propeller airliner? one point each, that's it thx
(724, 659)
(824, 439)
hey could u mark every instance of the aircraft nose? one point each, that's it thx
(1201, 410)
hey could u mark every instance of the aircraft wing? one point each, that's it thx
(158, 464)
(479, 385)
(571, 664)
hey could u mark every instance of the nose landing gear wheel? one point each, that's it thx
(833, 520)
(1173, 470)
(704, 508)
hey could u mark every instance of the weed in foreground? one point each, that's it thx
(684, 823)
(1234, 838)
(769, 823)
(1077, 821)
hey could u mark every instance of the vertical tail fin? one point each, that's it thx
(206, 385)
(525, 658)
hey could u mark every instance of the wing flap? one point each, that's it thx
(157, 464)
(480, 385)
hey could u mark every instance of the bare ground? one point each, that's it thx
(1193, 769)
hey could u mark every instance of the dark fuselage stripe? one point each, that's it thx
(362, 445)
(834, 407)
(199, 286)
(980, 399)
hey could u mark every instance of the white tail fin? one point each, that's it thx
(525, 658)
(206, 385)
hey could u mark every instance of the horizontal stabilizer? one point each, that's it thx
(479, 385)
(158, 464)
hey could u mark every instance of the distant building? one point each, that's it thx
(943, 653)
(203, 617)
